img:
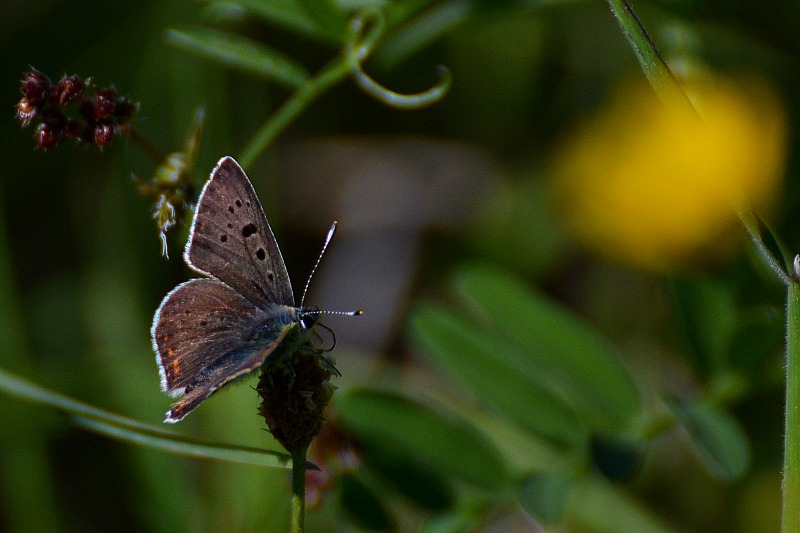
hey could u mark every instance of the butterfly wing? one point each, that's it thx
(231, 240)
(205, 335)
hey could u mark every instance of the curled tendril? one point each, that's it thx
(364, 32)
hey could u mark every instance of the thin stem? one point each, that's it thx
(299, 490)
(790, 522)
(149, 148)
(655, 68)
(333, 73)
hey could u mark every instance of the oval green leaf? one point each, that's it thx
(447, 443)
(242, 54)
(411, 477)
(546, 495)
(484, 365)
(591, 373)
(362, 506)
(719, 440)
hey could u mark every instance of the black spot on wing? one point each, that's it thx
(248, 230)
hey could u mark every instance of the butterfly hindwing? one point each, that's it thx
(231, 240)
(224, 370)
(205, 335)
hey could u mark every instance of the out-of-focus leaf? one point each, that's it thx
(718, 438)
(446, 443)
(419, 33)
(327, 15)
(362, 507)
(287, 14)
(546, 496)
(241, 53)
(760, 334)
(598, 506)
(591, 373)
(482, 364)
(618, 459)
(468, 517)
(414, 479)
(706, 315)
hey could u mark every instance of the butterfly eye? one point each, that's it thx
(308, 320)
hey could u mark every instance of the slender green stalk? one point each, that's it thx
(333, 73)
(299, 490)
(790, 522)
(655, 68)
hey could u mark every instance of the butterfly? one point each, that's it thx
(210, 331)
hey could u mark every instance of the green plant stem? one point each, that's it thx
(655, 68)
(147, 147)
(790, 522)
(329, 76)
(299, 490)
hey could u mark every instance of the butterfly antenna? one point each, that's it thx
(328, 238)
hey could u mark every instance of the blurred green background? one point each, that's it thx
(443, 212)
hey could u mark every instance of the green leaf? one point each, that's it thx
(617, 459)
(287, 14)
(240, 53)
(717, 437)
(421, 32)
(362, 507)
(546, 495)
(327, 15)
(707, 318)
(482, 364)
(470, 516)
(132, 431)
(417, 481)
(590, 372)
(447, 444)
(600, 507)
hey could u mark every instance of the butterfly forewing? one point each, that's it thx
(231, 239)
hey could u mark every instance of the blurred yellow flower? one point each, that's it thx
(659, 186)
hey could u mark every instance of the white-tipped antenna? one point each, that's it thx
(328, 238)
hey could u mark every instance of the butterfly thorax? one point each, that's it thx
(276, 324)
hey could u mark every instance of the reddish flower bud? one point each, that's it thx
(104, 104)
(26, 111)
(35, 86)
(67, 90)
(47, 136)
(103, 134)
(125, 109)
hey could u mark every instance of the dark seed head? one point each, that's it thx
(68, 89)
(35, 86)
(26, 111)
(104, 104)
(47, 136)
(103, 134)
(124, 109)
